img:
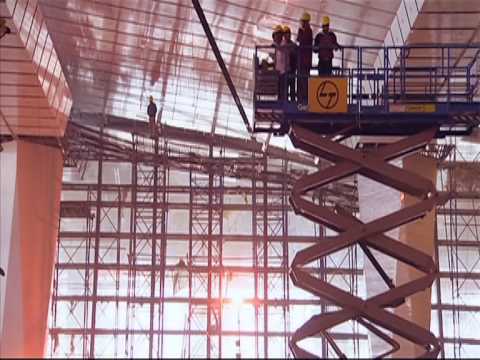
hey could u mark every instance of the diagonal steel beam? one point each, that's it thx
(221, 63)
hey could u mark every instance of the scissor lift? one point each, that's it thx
(416, 103)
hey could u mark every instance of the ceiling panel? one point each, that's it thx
(451, 6)
(35, 98)
(447, 21)
(436, 36)
(117, 53)
(442, 22)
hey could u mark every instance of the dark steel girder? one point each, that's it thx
(190, 136)
(221, 63)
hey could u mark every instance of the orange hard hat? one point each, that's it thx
(277, 28)
(305, 17)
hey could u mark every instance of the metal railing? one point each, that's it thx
(380, 76)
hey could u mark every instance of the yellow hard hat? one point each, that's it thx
(325, 21)
(305, 17)
(286, 28)
(278, 28)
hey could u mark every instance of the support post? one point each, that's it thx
(30, 186)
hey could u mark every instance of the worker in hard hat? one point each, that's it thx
(280, 57)
(325, 43)
(277, 36)
(152, 114)
(291, 62)
(305, 40)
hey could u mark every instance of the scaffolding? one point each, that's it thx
(139, 306)
(156, 250)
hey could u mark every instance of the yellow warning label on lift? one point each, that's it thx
(327, 95)
(413, 108)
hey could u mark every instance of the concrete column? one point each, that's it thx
(8, 176)
(377, 200)
(31, 181)
(420, 235)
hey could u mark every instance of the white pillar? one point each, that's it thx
(31, 213)
(8, 174)
(377, 200)
(421, 236)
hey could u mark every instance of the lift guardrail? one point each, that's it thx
(439, 82)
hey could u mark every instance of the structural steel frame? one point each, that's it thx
(146, 200)
(150, 267)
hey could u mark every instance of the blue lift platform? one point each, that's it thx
(410, 89)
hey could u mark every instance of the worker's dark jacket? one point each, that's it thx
(292, 51)
(152, 110)
(305, 39)
(324, 45)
